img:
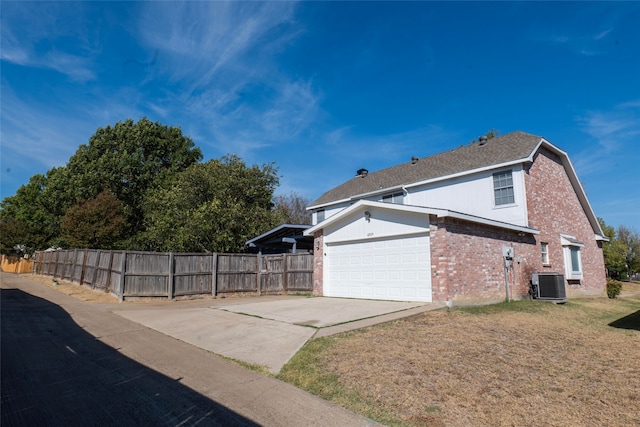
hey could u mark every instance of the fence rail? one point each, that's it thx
(129, 274)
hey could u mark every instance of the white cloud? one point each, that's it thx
(602, 34)
(224, 72)
(42, 35)
(202, 42)
(613, 129)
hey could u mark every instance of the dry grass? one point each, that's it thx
(83, 293)
(518, 364)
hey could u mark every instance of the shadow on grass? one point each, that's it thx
(55, 373)
(631, 321)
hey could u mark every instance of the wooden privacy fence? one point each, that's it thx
(130, 274)
(11, 264)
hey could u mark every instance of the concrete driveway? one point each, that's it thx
(267, 330)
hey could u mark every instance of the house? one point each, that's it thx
(285, 238)
(467, 226)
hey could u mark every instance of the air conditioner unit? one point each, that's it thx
(548, 286)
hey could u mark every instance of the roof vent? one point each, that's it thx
(482, 140)
(414, 160)
(362, 172)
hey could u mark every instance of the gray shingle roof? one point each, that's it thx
(502, 149)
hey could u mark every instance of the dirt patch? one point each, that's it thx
(528, 364)
(83, 293)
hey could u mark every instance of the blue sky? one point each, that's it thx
(326, 88)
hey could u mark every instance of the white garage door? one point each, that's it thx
(395, 269)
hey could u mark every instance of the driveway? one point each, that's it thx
(67, 362)
(267, 330)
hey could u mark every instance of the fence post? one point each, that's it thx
(95, 269)
(109, 284)
(55, 269)
(123, 266)
(84, 265)
(214, 275)
(259, 275)
(73, 265)
(286, 275)
(171, 276)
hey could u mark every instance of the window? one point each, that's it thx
(396, 198)
(572, 259)
(319, 216)
(544, 249)
(503, 188)
(575, 260)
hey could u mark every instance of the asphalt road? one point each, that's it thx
(66, 362)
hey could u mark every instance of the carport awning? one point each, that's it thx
(285, 236)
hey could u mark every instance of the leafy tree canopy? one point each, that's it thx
(211, 207)
(95, 223)
(621, 252)
(129, 159)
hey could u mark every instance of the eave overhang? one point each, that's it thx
(362, 205)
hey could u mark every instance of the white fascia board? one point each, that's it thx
(376, 192)
(491, 222)
(441, 213)
(469, 172)
(335, 202)
(360, 196)
(371, 204)
(577, 186)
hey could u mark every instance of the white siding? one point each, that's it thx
(473, 195)
(382, 223)
(329, 211)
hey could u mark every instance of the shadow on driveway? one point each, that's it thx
(55, 373)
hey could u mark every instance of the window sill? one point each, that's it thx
(510, 205)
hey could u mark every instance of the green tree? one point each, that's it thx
(129, 159)
(621, 252)
(211, 207)
(26, 217)
(95, 223)
(630, 247)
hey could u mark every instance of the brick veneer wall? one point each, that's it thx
(554, 209)
(467, 266)
(466, 258)
(318, 262)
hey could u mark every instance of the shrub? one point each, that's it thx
(613, 288)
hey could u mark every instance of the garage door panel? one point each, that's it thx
(393, 269)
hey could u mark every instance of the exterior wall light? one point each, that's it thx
(367, 216)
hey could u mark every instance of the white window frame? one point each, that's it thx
(320, 216)
(544, 252)
(506, 174)
(572, 246)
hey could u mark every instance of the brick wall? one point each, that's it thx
(554, 209)
(466, 258)
(318, 263)
(467, 264)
